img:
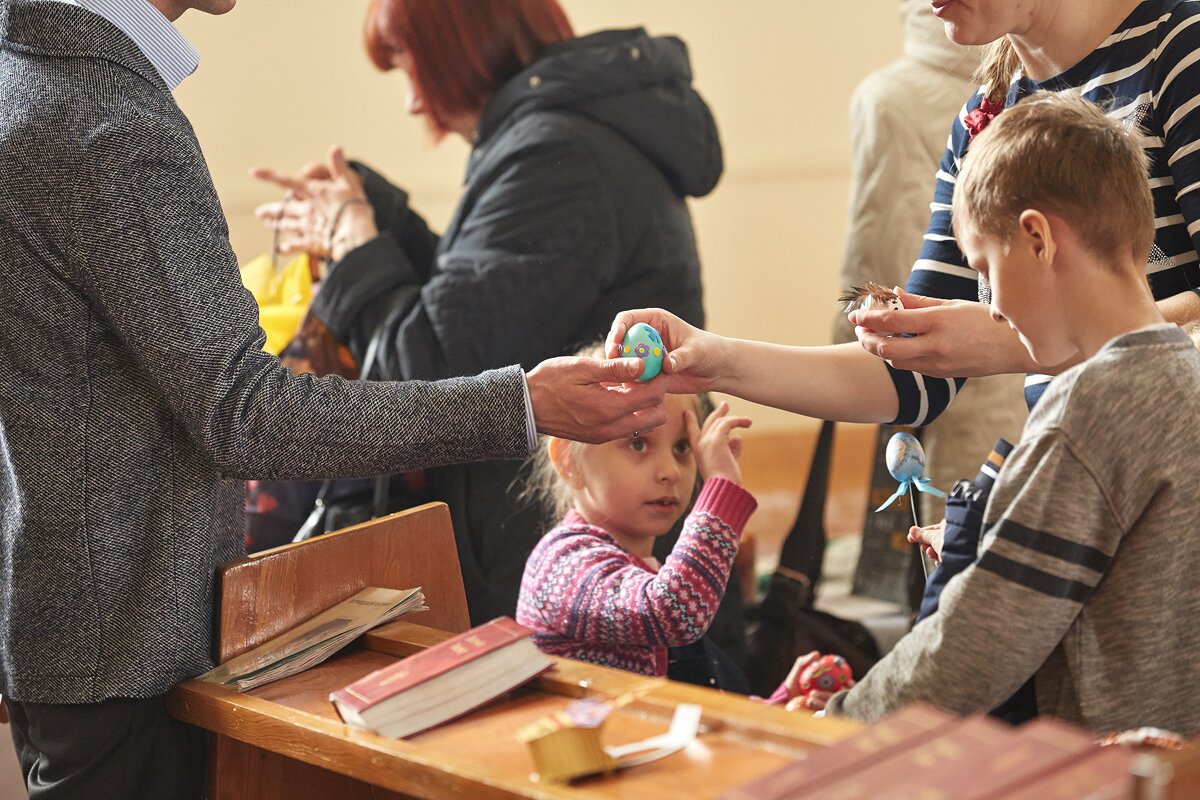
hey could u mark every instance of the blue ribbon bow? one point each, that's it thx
(921, 484)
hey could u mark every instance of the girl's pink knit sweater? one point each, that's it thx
(587, 598)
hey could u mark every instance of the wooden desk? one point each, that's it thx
(284, 740)
(293, 745)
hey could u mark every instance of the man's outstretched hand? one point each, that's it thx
(594, 401)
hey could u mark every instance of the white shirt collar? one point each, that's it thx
(159, 40)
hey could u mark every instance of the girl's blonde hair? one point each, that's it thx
(540, 482)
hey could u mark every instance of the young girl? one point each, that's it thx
(593, 591)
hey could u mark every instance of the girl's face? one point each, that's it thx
(637, 488)
(972, 22)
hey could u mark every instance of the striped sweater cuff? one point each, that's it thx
(727, 501)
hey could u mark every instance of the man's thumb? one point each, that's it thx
(621, 370)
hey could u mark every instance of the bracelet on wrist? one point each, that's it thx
(337, 218)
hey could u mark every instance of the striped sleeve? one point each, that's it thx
(1002, 618)
(941, 270)
(1176, 100)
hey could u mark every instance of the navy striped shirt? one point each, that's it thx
(1147, 73)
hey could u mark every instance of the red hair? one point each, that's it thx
(462, 51)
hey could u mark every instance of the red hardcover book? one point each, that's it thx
(1103, 773)
(442, 682)
(986, 764)
(905, 773)
(907, 728)
(1042, 747)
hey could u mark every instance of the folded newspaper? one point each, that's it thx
(313, 641)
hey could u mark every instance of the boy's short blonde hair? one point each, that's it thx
(1057, 153)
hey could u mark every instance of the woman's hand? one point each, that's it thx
(930, 539)
(327, 213)
(715, 448)
(953, 338)
(695, 360)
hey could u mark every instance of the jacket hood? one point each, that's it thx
(639, 86)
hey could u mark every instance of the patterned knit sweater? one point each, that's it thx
(585, 597)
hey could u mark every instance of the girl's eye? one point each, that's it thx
(637, 445)
(683, 447)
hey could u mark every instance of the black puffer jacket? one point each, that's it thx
(573, 210)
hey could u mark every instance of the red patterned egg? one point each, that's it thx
(826, 674)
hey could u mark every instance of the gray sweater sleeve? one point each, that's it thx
(999, 620)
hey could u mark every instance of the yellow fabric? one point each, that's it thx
(283, 296)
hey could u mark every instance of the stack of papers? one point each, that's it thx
(313, 641)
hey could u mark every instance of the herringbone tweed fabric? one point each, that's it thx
(134, 395)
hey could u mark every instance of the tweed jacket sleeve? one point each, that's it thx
(157, 266)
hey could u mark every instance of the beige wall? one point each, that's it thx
(277, 87)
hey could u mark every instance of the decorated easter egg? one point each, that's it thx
(905, 458)
(826, 674)
(643, 342)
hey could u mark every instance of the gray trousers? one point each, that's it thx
(116, 749)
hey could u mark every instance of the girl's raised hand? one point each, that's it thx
(715, 447)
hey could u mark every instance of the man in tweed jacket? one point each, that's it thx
(135, 398)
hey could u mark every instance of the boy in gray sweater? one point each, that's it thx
(1087, 572)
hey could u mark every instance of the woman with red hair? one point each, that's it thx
(583, 152)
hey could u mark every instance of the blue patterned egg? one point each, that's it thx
(643, 342)
(905, 457)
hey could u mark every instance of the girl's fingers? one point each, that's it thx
(717, 416)
(736, 422)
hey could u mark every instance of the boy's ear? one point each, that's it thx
(1037, 233)
(564, 462)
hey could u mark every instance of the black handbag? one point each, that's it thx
(784, 625)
